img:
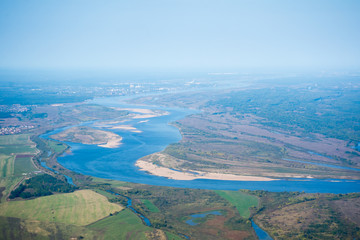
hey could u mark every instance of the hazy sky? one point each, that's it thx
(179, 34)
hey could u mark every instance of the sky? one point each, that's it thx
(180, 35)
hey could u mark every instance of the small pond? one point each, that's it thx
(196, 217)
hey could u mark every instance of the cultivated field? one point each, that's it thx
(125, 225)
(78, 208)
(15, 228)
(16, 152)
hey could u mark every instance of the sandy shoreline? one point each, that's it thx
(108, 139)
(178, 175)
(112, 142)
(143, 112)
(138, 110)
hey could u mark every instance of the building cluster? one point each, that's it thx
(13, 108)
(14, 130)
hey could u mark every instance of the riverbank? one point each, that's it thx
(192, 175)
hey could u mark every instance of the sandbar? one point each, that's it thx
(143, 112)
(112, 142)
(138, 110)
(179, 175)
(127, 127)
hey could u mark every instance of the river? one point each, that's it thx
(156, 134)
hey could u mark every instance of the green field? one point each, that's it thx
(6, 165)
(16, 144)
(8, 183)
(240, 200)
(14, 139)
(15, 228)
(150, 205)
(56, 147)
(105, 193)
(23, 165)
(124, 225)
(12, 167)
(77, 208)
(114, 183)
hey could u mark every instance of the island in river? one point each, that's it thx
(88, 135)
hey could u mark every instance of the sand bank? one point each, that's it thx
(143, 112)
(112, 142)
(178, 175)
(127, 127)
(137, 110)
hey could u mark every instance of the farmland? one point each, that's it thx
(16, 153)
(78, 208)
(124, 225)
(15, 228)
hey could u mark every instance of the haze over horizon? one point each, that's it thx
(180, 35)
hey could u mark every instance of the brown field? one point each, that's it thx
(217, 225)
(349, 208)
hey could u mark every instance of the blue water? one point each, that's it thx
(119, 163)
(201, 215)
(356, 147)
(43, 164)
(262, 235)
(129, 205)
(68, 179)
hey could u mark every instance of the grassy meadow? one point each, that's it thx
(240, 200)
(124, 225)
(55, 146)
(78, 208)
(150, 205)
(15, 228)
(23, 165)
